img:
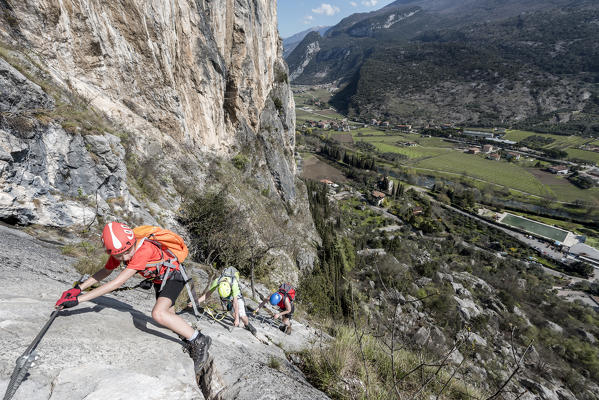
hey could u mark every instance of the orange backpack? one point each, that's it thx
(166, 238)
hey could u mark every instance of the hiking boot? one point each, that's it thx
(251, 328)
(185, 344)
(288, 330)
(198, 351)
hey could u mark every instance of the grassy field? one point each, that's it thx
(584, 155)
(319, 94)
(516, 135)
(368, 131)
(411, 152)
(436, 154)
(382, 138)
(315, 115)
(432, 142)
(570, 143)
(501, 173)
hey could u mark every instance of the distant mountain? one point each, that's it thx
(525, 63)
(292, 41)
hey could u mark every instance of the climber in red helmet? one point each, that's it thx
(151, 260)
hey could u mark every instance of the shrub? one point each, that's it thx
(240, 161)
(278, 104)
(90, 258)
(274, 363)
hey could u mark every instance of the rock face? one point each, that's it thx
(111, 348)
(117, 110)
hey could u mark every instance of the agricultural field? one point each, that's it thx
(584, 155)
(570, 143)
(432, 142)
(344, 138)
(439, 157)
(302, 115)
(368, 131)
(497, 172)
(318, 94)
(315, 169)
(516, 135)
(417, 152)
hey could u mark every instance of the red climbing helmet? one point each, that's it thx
(117, 238)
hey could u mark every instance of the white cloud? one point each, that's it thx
(327, 9)
(308, 19)
(370, 3)
(353, 4)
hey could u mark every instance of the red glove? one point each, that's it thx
(69, 298)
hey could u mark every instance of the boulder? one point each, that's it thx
(467, 308)
(553, 326)
(540, 390)
(586, 336)
(421, 336)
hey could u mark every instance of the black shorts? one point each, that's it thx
(290, 315)
(171, 289)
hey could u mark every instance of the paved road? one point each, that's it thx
(384, 213)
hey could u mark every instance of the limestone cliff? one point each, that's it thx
(116, 109)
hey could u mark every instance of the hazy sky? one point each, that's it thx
(298, 15)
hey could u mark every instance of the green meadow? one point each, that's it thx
(497, 172)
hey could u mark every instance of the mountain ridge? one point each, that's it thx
(550, 42)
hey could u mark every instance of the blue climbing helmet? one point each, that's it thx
(275, 298)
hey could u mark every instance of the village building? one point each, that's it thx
(479, 134)
(558, 169)
(473, 150)
(378, 197)
(487, 148)
(512, 156)
(494, 156)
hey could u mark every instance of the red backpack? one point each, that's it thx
(287, 290)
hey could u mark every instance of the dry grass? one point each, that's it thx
(90, 258)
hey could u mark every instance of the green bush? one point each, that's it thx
(240, 161)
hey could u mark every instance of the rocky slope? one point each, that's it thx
(292, 41)
(121, 110)
(111, 348)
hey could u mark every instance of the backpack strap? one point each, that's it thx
(169, 262)
(285, 292)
